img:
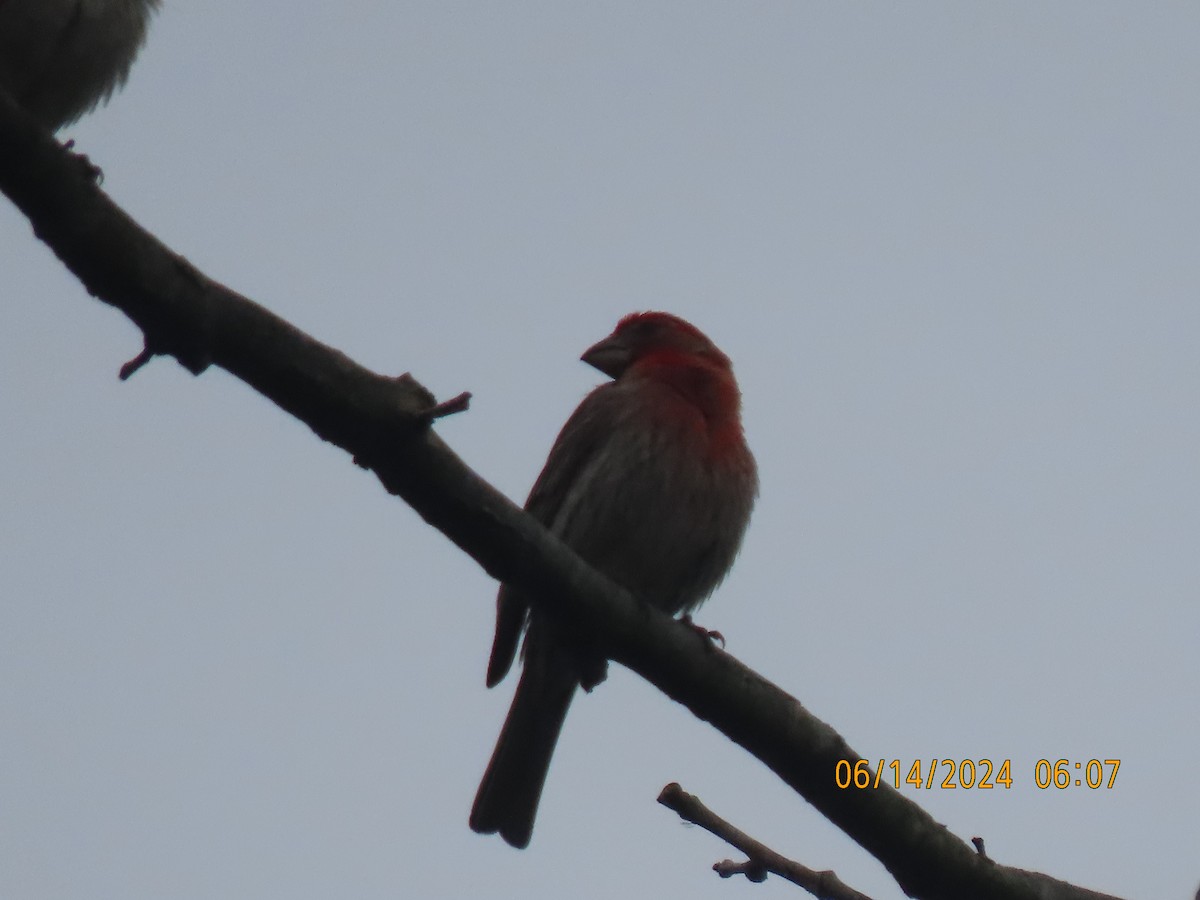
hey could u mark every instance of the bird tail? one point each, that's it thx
(508, 796)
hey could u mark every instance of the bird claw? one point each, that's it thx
(91, 171)
(714, 637)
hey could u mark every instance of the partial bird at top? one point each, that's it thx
(61, 58)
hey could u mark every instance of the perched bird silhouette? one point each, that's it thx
(652, 484)
(61, 58)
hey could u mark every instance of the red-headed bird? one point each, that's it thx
(651, 482)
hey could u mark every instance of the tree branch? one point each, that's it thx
(383, 422)
(760, 859)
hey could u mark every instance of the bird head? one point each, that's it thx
(646, 335)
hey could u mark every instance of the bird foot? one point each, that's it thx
(713, 636)
(91, 171)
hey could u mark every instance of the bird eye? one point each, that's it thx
(646, 328)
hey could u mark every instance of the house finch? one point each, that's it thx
(60, 58)
(651, 483)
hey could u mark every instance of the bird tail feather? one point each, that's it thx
(508, 795)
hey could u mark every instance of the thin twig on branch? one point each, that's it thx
(760, 859)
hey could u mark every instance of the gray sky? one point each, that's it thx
(952, 251)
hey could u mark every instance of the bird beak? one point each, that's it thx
(611, 356)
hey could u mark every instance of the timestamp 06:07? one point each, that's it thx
(974, 774)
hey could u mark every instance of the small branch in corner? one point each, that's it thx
(761, 859)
